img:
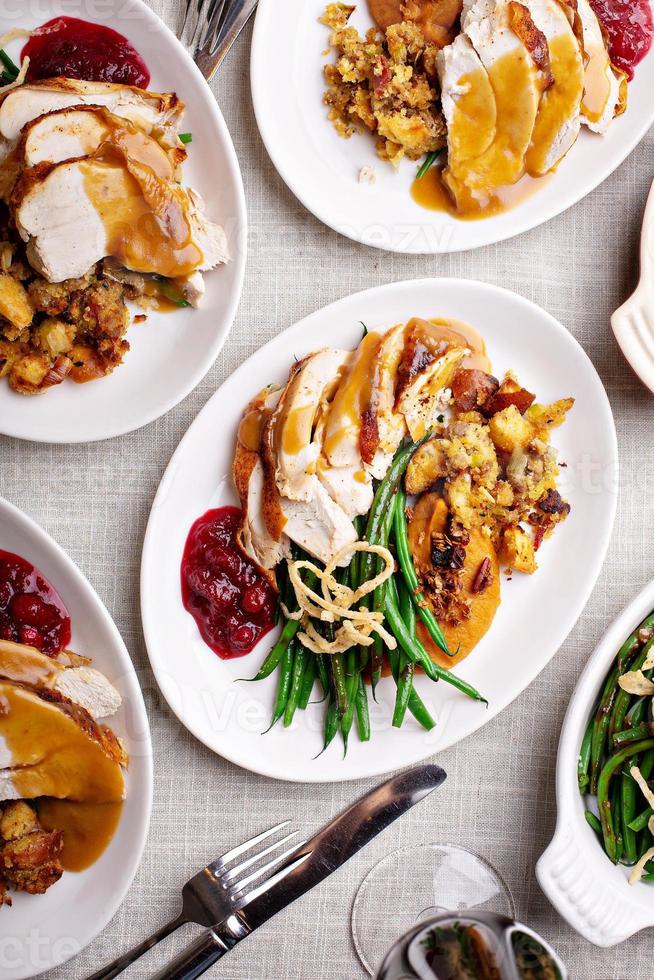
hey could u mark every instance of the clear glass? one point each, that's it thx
(416, 883)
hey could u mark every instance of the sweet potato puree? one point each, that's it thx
(429, 518)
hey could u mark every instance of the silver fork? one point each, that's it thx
(219, 890)
(211, 27)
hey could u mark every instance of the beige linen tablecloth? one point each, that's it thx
(499, 798)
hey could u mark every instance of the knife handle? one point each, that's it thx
(206, 950)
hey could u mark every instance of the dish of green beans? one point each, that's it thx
(345, 680)
(619, 735)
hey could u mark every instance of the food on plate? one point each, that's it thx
(367, 582)
(232, 602)
(31, 610)
(492, 93)
(72, 48)
(616, 757)
(93, 210)
(62, 780)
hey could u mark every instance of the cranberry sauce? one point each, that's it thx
(630, 28)
(77, 49)
(230, 600)
(31, 611)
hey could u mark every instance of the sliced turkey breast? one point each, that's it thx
(605, 90)
(559, 118)
(51, 747)
(66, 134)
(83, 685)
(76, 213)
(294, 450)
(469, 106)
(149, 111)
(517, 84)
(318, 525)
(429, 360)
(248, 474)
(383, 427)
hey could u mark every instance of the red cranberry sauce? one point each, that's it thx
(31, 611)
(230, 600)
(75, 48)
(630, 28)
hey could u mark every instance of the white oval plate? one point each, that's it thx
(536, 613)
(171, 352)
(582, 884)
(42, 931)
(322, 169)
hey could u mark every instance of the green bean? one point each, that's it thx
(628, 804)
(339, 682)
(11, 71)
(603, 787)
(416, 704)
(283, 685)
(352, 684)
(277, 653)
(633, 734)
(593, 822)
(405, 667)
(647, 765)
(331, 724)
(632, 643)
(299, 664)
(363, 716)
(616, 813)
(622, 700)
(416, 652)
(410, 576)
(308, 680)
(323, 673)
(584, 757)
(640, 822)
(636, 713)
(601, 724)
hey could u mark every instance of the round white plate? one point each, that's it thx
(42, 931)
(536, 613)
(171, 352)
(582, 884)
(321, 168)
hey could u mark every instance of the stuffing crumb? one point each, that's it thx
(367, 175)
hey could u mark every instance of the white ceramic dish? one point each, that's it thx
(171, 352)
(589, 891)
(322, 169)
(42, 931)
(534, 618)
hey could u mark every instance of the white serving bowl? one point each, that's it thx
(590, 892)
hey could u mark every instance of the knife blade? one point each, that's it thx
(314, 861)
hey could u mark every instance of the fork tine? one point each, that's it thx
(235, 852)
(214, 17)
(245, 900)
(242, 886)
(237, 871)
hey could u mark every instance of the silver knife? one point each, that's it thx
(309, 865)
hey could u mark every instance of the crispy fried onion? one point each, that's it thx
(355, 626)
(5, 39)
(635, 682)
(637, 872)
(639, 868)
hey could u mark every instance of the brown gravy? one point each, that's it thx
(88, 828)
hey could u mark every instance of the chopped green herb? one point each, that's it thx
(170, 291)
(186, 137)
(429, 160)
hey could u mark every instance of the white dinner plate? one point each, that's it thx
(321, 168)
(536, 613)
(42, 931)
(171, 352)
